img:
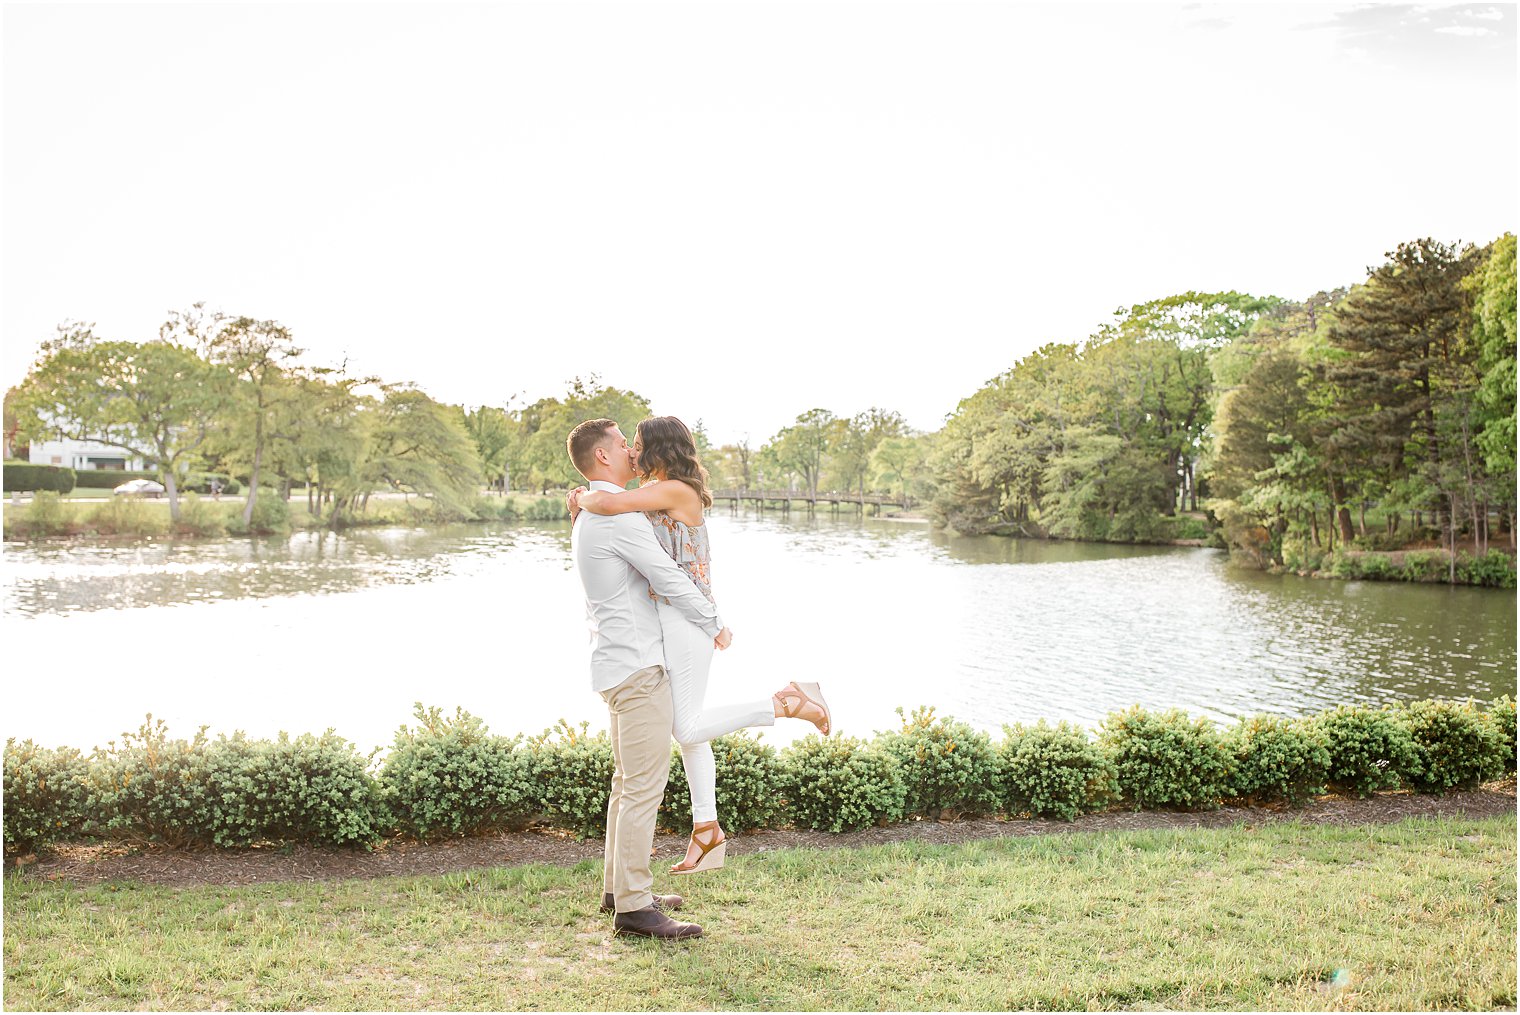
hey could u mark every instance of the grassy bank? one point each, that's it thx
(1414, 915)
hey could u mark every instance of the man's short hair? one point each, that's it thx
(583, 442)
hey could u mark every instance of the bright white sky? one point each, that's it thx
(740, 211)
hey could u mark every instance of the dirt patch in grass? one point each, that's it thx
(175, 867)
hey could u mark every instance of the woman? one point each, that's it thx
(673, 494)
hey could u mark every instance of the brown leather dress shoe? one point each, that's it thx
(664, 903)
(650, 922)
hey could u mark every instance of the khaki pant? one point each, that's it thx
(641, 719)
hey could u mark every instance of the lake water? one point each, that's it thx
(347, 631)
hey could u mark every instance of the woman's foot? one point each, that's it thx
(803, 701)
(704, 850)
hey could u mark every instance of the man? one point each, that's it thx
(619, 562)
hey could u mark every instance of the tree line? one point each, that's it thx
(235, 395)
(1376, 416)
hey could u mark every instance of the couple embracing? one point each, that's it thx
(643, 559)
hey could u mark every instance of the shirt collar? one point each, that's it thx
(602, 484)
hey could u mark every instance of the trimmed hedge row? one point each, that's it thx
(449, 776)
(110, 479)
(24, 477)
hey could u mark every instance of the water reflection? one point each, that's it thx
(349, 630)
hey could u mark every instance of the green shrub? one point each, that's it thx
(156, 789)
(749, 780)
(1301, 555)
(1369, 748)
(1377, 567)
(126, 516)
(235, 792)
(201, 518)
(547, 509)
(494, 508)
(1494, 569)
(1278, 759)
(1501, 714)
(1342, 565)
(945, 765)
(838, 783)
(24, 477)
(1053, 771)
(1166, 759)
(575, 777)
(1454, 746)
(46, 515)
(317, 790)
(451, 777)
(271, 514)
(1423, 566)
(47, 795)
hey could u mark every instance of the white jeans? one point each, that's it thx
(688, 658)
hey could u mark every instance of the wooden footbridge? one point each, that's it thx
(806, 499)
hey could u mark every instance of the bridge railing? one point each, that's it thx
(821, 497)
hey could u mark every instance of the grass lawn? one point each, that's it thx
(1414, 915)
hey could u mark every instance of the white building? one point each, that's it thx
(83, 456)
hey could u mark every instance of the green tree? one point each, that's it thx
(257, 354)
(158, 400)
(1493, 334)
(802, 447)
(900, 462)
(419, 446)
(495, 434)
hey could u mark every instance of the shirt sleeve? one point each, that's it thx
(635, 543)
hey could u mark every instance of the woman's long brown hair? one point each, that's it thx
(667, 447)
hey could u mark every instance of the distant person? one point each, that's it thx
(673, 497)
(621, 568)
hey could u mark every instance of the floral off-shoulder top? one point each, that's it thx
(688, 547)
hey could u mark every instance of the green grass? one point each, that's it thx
(1418, 915)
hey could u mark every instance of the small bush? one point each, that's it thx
(125, 516)
(1423, 566)
(1166, 759)
(1501, 714)
(547, 509)
(1301, 555)
(1454, 746)
(200, 518)
(316, 789)
(47, 796)
(1494, 569)
(271, 514)
(1279, 759)
(155, 789)
(1053, 771)
(839, 783)
(1369, 748)
(575, 777)
(450, 777)
(46, 515)
(945, 765)
(24, 477)
(749, 780)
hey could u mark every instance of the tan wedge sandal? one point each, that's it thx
(795, 697)
(712, 852)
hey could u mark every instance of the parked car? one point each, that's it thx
(139, 488)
